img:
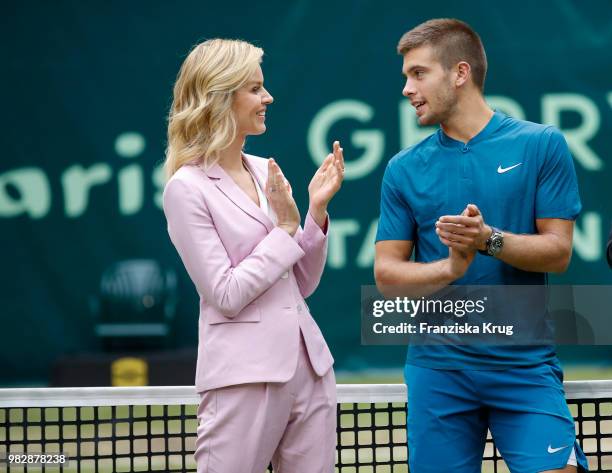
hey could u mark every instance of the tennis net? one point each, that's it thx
(153, 428)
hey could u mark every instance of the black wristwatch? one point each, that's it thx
(495, 243)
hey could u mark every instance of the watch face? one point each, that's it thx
(497, 243)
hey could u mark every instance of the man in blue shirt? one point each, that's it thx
(487, 199)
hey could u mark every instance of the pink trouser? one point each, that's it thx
(244, 427)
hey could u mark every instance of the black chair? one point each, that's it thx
(135, 305)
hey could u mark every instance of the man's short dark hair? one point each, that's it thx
(452, 41)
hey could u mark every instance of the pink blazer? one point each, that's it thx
(252, 278)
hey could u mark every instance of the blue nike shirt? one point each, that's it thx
(515, 172)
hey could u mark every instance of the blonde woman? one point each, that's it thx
(264, 371)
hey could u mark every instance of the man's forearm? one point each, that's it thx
(549, 250)
(546, 253)
(407, 278)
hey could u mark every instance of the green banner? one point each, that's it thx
(87, 87)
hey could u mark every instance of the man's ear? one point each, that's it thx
(462, 73)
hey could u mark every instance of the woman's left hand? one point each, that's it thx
(326, 182)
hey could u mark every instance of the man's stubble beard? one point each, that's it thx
(446, 101)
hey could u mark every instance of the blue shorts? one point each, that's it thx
(450, 411)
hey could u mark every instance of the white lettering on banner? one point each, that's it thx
(131, 189)
(588, 240)
(77, 181)
(131, 182)
(27, 191)
(34, 193)
(159, 180)
(339, 230)
(372, 140)
(552, 107)
(130, 144)
(365, 257)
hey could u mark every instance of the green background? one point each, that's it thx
(86, 88)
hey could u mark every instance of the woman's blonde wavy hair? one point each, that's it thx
(201, 122)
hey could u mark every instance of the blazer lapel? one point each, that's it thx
(234, 193)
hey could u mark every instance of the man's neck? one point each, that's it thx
(471, 115)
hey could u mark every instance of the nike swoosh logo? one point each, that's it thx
(501, 170)
(555, 450)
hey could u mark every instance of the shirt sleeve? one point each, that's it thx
(557, 192)
(396, 220)
(313, 241)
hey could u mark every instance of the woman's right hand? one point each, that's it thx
(278, 192)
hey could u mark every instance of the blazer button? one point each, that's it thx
(299, 308)
(285, 275)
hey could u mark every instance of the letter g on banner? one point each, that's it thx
(372, 140)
